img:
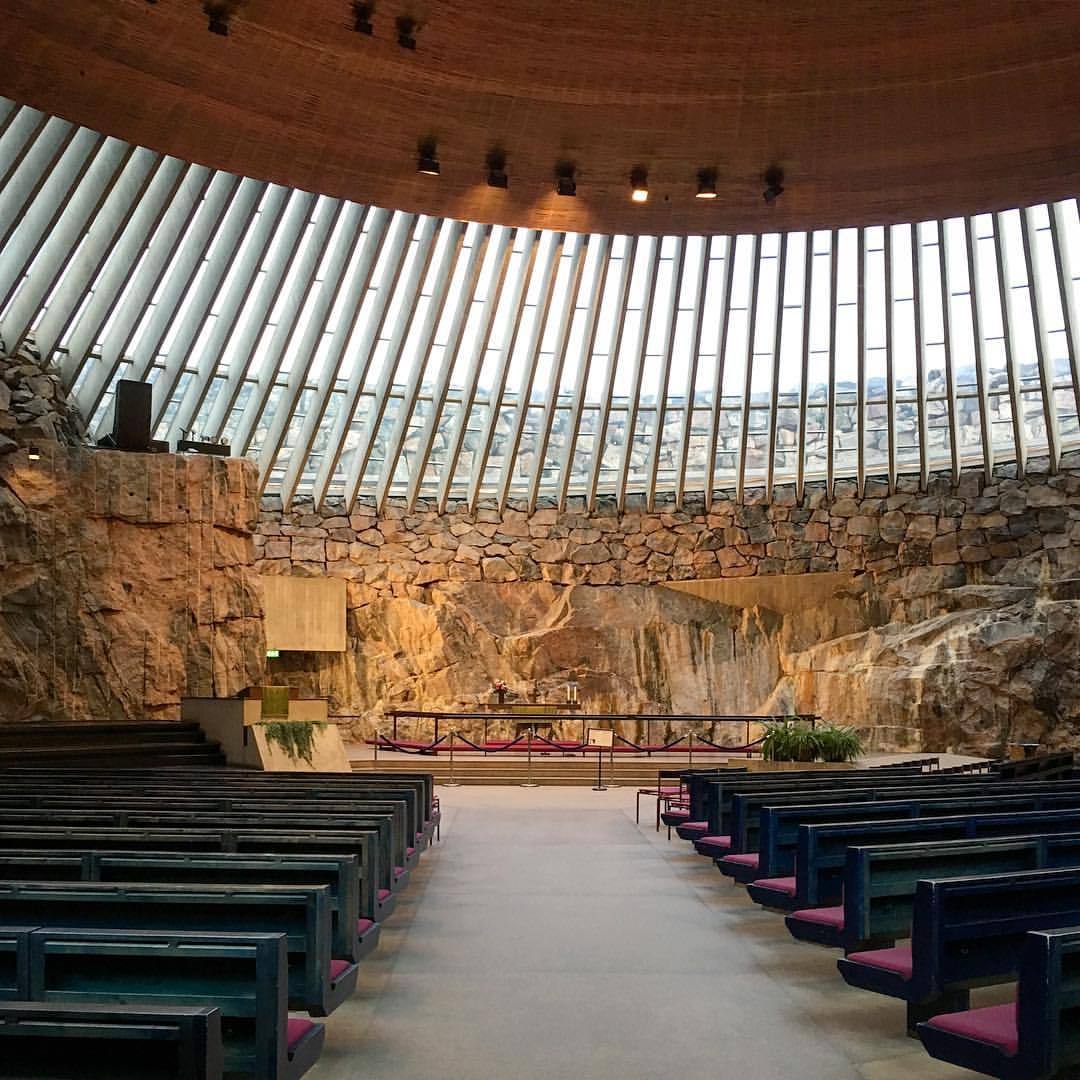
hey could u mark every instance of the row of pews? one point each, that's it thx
(192, 923)
(931, 882)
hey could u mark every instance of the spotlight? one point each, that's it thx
(406, 31)
(362, 12)
(639, 184)
(426, 161)
(774, 183)
(33, 453)
(565, 184)
(218, 12)
(706, 184)
(496, 166)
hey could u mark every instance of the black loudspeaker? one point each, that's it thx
(131, 416)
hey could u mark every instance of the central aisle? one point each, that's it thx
(548, 936)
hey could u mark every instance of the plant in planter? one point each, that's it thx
(296, 738)
(789, 740)
(838, 743)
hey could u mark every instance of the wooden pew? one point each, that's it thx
(821, 855)
(245, 976)
(744, 819)
(720, 791)
(110, 1042)
(262, 831)
(123, 810)
(318, 982)
(375, 904)
(779, 833)
(880, 881)
(1035, 1037)
(711, 798)
(965, 932)
(338, 873)
(305, 786)
(14, 970)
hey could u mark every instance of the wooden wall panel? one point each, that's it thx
(304, 614)
(878, 111)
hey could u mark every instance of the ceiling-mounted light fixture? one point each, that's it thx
(219, 12)
(639, 184)
(362, 11)
(496, 167)
(565, 180)
(774, 184)
(406, 31)
(706, 184)
(427, 161)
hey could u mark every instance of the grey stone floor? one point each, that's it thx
(548, 936)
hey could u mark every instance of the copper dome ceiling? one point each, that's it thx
(877, 111)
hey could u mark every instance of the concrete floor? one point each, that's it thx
(548, 936)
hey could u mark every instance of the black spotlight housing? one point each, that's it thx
(774, 184)
(406, 31)
(639, 184)
(706, 184)
(565, 179)
(218, 13)
(362, 11)
(496, 169)
(33, 453)
(427, 158)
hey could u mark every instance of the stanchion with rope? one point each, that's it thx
(690, 756)
(378, 739)
(451, 782)
(529, 779)
(600, 785)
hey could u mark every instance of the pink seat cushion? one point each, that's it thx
(677, 813)
(743, 860)
(784, 885)
(363, 926)
(296, 1031)
(716, 841)
(383, 894)
(829, 916)
(695, 826)
(995, 1024)
(399, 871)
(410, 851)
(897, 959)
(338, 968)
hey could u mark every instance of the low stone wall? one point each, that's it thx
(972, 523)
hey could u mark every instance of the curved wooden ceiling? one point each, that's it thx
(877, 111)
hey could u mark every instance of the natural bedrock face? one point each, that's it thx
(125, 583)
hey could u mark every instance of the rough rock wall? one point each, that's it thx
(955, 629)
(126, 580)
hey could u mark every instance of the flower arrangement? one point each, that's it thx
(499, 686)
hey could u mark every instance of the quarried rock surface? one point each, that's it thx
(125, 583)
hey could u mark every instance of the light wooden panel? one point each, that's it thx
(878, 111)
(304, 614)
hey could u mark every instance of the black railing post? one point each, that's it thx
(395, 725)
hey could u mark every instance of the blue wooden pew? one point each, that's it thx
(318, 982)
(110, 1042)
(1037, 1037)
(822, 876)
(779, 832)
(965, 932)
(375, 904)
(353, 938)
(14, 959)
(245, 976)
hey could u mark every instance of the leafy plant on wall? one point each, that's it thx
(296, 738)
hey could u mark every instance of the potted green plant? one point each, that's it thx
(789, 740)
(837, 743)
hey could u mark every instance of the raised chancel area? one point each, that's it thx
(539, 540)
